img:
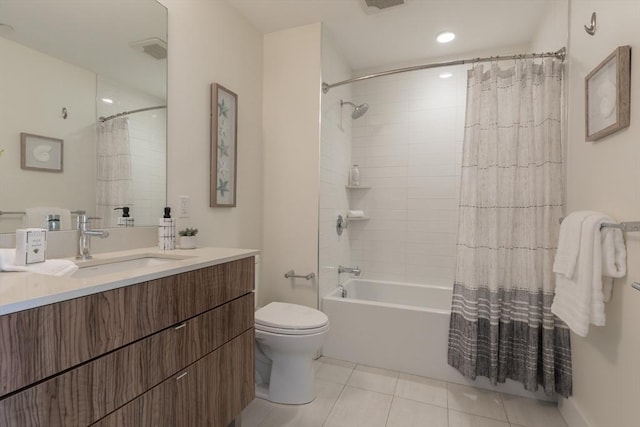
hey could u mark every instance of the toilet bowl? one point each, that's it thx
(288, 336)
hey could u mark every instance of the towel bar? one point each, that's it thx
(624, 226)
(292, 274)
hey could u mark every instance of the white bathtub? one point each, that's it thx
(398, 326)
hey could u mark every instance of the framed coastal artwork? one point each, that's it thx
(224, 146)
(41, 153)
(607, 94)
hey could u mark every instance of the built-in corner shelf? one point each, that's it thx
(357, 187)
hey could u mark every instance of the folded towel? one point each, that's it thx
(569, 243)
(355, 214)
(37, 217)
(579, 299)
(53, 267)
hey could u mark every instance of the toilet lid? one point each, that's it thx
(290, 316)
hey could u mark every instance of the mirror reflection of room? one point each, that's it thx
(86, 89)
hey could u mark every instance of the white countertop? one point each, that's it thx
(21, 291)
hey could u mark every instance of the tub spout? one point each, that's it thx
(352, 270)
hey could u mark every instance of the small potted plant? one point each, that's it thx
(188, 238)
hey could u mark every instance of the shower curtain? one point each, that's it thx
(113, 176)
(511, 199)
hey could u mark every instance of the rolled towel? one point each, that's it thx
(53, 267)
(355, 214)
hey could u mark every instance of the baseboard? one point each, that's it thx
(572, 413)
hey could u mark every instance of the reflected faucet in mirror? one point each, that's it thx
(84, 234)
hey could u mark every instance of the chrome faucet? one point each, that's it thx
(84, 244)
(352, 270)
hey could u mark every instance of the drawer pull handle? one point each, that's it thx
(182, 375)
(180, 326)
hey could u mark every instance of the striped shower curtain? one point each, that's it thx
(113, 174)
(511, 200)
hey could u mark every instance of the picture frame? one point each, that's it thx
(224, 146)
(607, 95)
(41, 153)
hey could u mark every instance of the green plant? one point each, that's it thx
(188, 232)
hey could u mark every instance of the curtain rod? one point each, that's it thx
(560, 54)
(126, 113)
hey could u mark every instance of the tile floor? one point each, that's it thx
(351, 395)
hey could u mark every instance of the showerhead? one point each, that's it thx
(358, 110)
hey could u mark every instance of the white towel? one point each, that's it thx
(37, 217)
(355, 214)
(569, 243)
(579, 299)
(53, 267)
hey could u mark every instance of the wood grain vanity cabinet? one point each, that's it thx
(176, 351)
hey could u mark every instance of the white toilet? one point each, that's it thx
(288, 336)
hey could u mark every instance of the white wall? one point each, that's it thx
(335, 161)
(408, 146)
(291, 114)
(604, 176)
(39, 86)
(210, 42)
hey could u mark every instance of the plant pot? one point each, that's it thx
(187, 242)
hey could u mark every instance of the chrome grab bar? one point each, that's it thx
(292, 274)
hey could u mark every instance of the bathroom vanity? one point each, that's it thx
(164, 345)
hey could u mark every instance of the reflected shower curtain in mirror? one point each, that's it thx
(511, 199)
(113, 174)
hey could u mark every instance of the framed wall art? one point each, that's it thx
(41, 153)
(607, 95)
(224, 146)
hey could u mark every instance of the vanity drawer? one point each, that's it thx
(211, 392)
(89, 392)
(43, 341)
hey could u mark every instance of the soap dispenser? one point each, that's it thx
(125, 220)
(167, 231)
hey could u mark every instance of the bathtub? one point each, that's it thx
(398, 326)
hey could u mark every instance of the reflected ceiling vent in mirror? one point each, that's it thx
(383, 4)
(154, 47)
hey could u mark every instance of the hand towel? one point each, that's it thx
(614, 258)
(579, 299)
(53, 267)
(355, 214)
(569, 243)
(37, 217)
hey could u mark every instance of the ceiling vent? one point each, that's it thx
(383, 4)
(154, 47)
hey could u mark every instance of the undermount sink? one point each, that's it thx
(121, 264)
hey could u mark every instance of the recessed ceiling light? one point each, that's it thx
(445, 37)
(445, 75)
(107, 100)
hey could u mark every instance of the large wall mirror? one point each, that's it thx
(92, 74)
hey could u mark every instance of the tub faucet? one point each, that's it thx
(84, 244)
(352, 270)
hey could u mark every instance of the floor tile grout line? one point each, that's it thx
(324, 423)
(386, 422)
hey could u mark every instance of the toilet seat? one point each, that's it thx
(290, 319)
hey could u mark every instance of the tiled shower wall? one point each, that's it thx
(408, 147)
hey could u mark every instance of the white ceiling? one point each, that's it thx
(93, 34)
(371, 38)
